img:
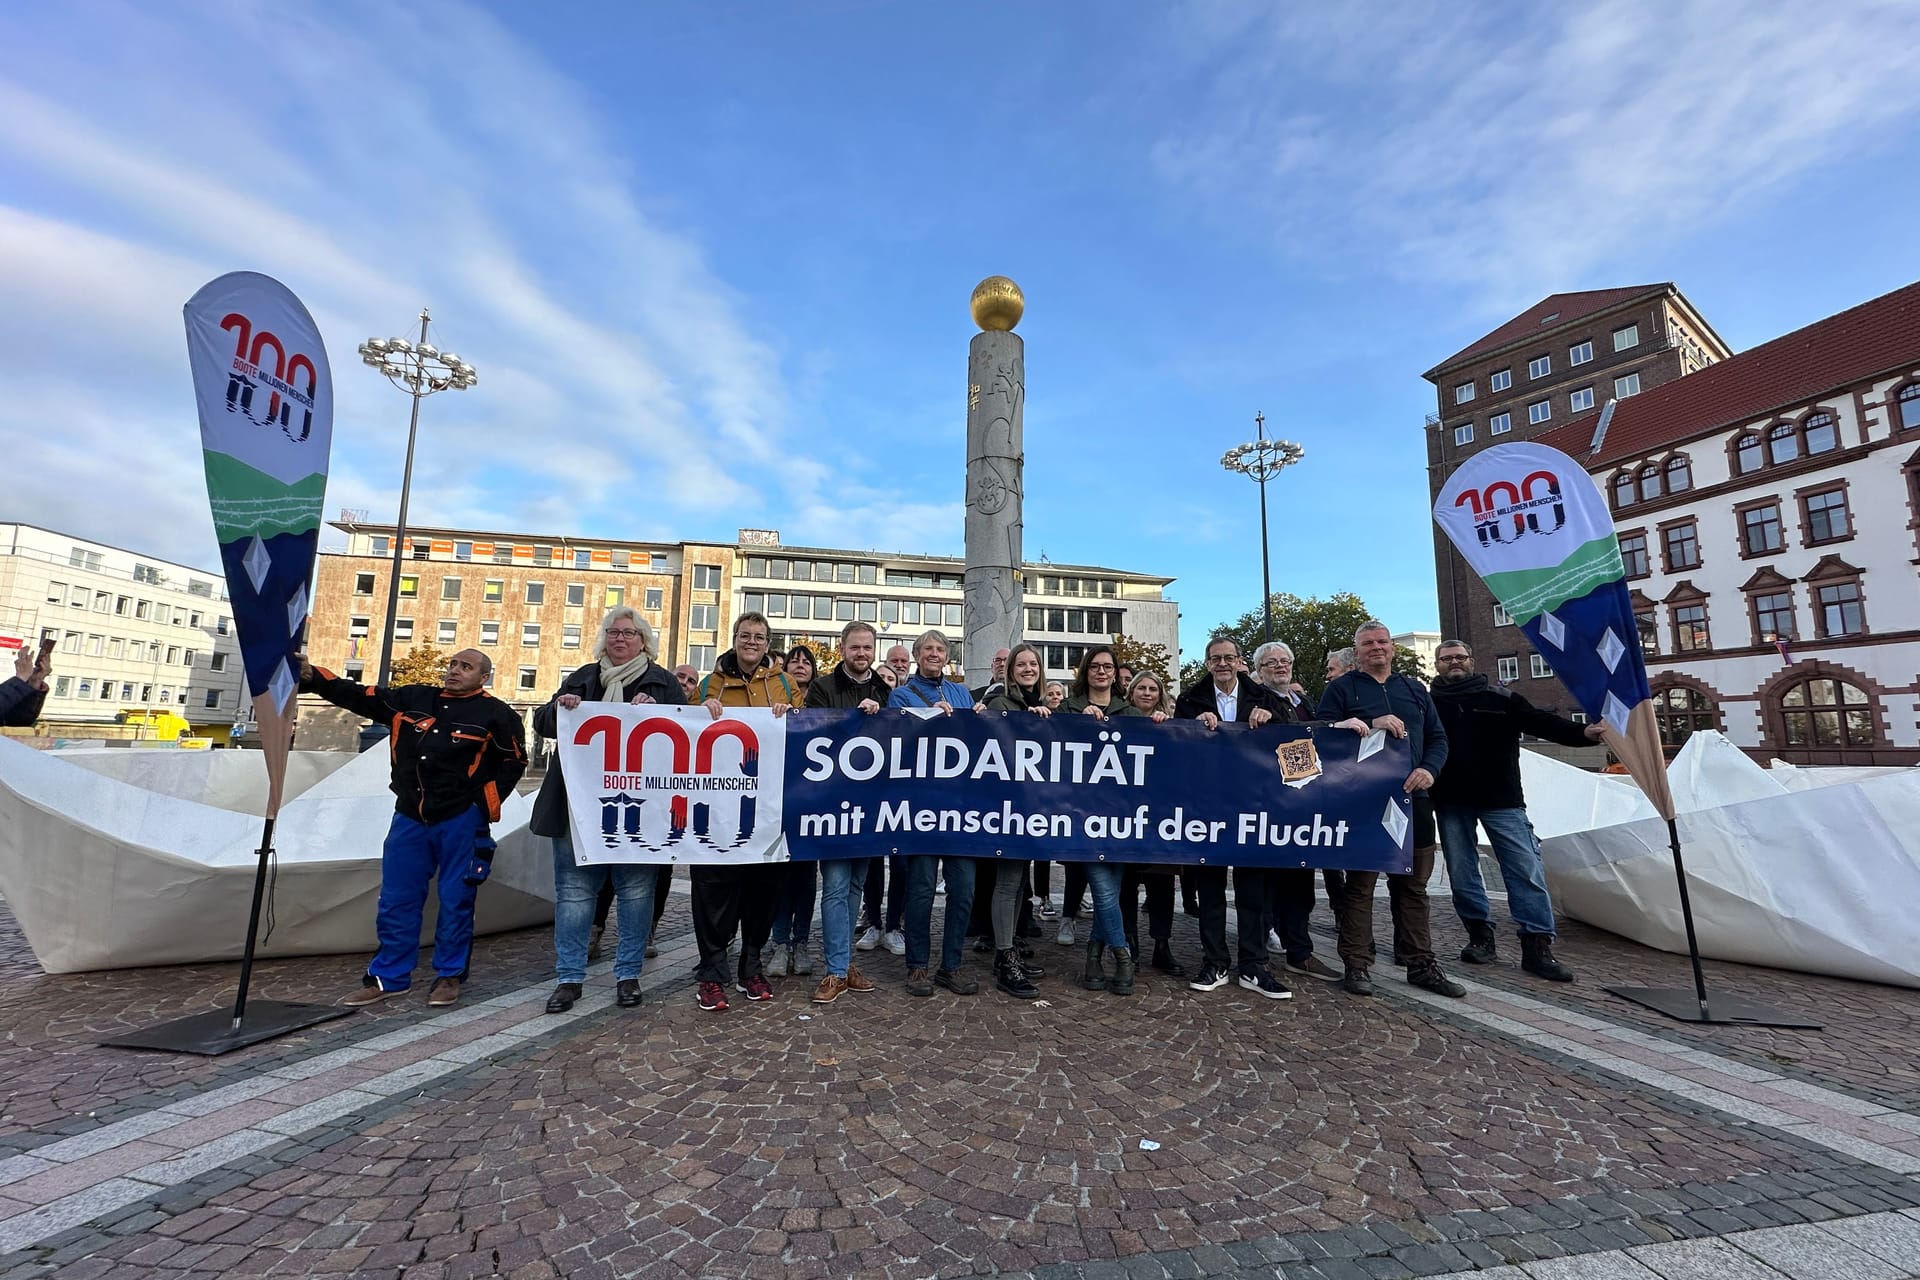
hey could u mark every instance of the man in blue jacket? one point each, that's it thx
(929, 689)
(1401, 706)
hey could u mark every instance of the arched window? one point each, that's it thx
(1825, 712)
(1910, 405)
(1679, 474)
(1623, 489)
(1681, 712)
(1650, 481)
(1783, 443)
(1748, 454)
(1820, 433)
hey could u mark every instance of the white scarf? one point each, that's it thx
(614, 680)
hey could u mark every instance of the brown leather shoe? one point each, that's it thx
(829, 989)
(445, 991)
(856, 980)
(372, 993)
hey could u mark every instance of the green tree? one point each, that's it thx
(419, 665)
(1138, 655)
(1312, 628)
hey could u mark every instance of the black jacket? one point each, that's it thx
(1197, 700)
(550, 806)
(1484, 722)
(448, 751)
(838, 690)
(1357, 694)
(20, 703)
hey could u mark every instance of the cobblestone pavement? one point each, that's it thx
(1552, 1131)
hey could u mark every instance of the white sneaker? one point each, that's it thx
(1065, 936)
(896, 942)
(1273, 941)
(868, 940)
(776, 959)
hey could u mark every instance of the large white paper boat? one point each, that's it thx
(112, 858)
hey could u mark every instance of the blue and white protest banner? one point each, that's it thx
(661, 784)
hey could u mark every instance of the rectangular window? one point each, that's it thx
(503, 553)
(116, 648)
(700, 656)
(1507, 669)
(910, 613)
(62, 686)
(536, 593)
(1463, 434)
(1773, 617)
(494, 591)
(756, 566)
(358, 626)
(956, 617)
(622, 559)
(529, 678)
(704, 617)
(490, 633)
(213, 698)
(446, 631)
(121, 604)
(529, 635)
(1501, 380)
(614, 597)
(1539, 366)
(1825, 516)
(86, 688)
(1681, 545)
(1077, 620)
(186, 657)
(409, 586)
(449, 588)
(869, 574)
(1539, 411)
(889, 612)
(1537, 667)
(776, 605)
(1501, 618)
(576, 595)
(1760, 529)
(381, 544)
(869, 611)
(1627, 384)
(1842, 612)
(219, 662)
(803, 571)
(753, 602)
(1581, 399)
(801, 606)
(463, 551)
(1463, 393)
(403, 630)
(96, 645)
(1649, 629)
(1627, 335)
(657, 562)
(140, 609)
(145, 573)
(1690, 628)
(845, 573)
(706, 577)
(570, 635)
(1499, 424)
(582, 558)
(843, 610)
(1580, 353)
(655, 596)
(542, 555)
(173, 654)
(103, 602)
(126, 690)
(1633, 551)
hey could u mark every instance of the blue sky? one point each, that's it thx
(712, 260)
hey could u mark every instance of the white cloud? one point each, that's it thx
(1514, 149)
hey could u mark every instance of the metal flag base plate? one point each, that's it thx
(1684, 1004)
(212, 1034)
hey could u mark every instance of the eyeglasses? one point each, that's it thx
(1272, 664)
(749, 639)
(1222, 657)
(1454, 657)
(622, 633)
(1099, 666)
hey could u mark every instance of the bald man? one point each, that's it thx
(457, 752)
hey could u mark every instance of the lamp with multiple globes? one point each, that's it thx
(1262, 459)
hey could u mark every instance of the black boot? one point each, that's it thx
(1011, 978)
(1122, 982)
(1537, 958)
(1480, 948)
(1163, 959)
(1027, 966)
(1095, 978)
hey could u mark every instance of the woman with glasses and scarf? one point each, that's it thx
(1096, 692)
(1023, 697)
(625, 672)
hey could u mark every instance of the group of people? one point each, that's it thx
(456, 751)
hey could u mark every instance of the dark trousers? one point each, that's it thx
(875, 891)
(1292, 905)
(1159, 887)
(1074, 890)
(1250, 912)
(1040, 877)
(604, 903)
(727, 899)
(1406, 895)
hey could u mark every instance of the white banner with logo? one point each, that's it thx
(672, 784)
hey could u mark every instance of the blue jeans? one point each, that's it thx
(793, 915)
(418, 854)
(575, 889)
(1103, 878)
(922, 871)
(839, 907)
(1519, 853)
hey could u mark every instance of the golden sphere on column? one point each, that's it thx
(997, 303)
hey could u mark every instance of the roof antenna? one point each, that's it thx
(1600, 427)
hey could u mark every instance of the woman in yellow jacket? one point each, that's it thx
(738, 897)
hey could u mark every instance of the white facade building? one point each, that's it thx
(1768, 509)
(133, 633)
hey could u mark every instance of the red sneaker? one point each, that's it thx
(713, 997)
(757, 987)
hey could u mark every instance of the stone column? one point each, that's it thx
(996, 458)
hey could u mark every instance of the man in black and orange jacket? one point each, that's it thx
(457, 752)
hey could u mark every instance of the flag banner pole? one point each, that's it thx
(1534, 526)
(265, 396)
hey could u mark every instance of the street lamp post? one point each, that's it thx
(1263, 459)
(419, 370)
